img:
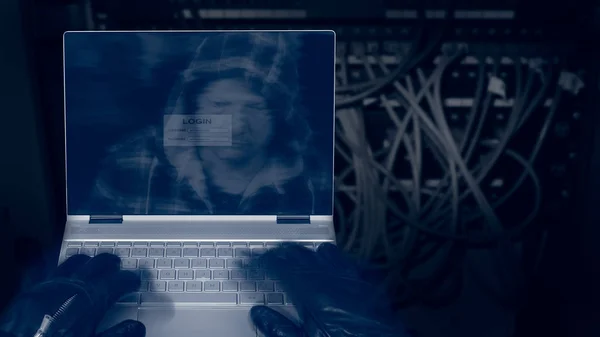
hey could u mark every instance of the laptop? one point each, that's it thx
(188, 152)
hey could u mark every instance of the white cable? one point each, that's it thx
(474, 116)
(367, 204)
(479, 91)
(363, 156)
(534, 103)
(384, 103)
(438, 113)
(436, 211)
(533, 156)
(371, 195)
(452, 150)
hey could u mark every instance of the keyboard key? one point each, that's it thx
(124, 244)
(266, 286)
(220, 274)
(74, 244)
(174, 244)
(207, 252)
(71, 251)
(229, 286)
(140, 244)
(256, 245)
(175, 286)
(157, 244)
(164, 263)
(88, 251)
(199, 263)
(156, 252)
(139, 252)
(238, 274)
(185, 274)
(167, 274)
(216, 263)
(190, 252)
(278, 286)
(105, 250)
(122, 252)
(242, 252)
(128, 263)
(212, 286)
(146, 263)
(247, 286)
(223, 244)
(274, 298)
(202, 274)
(193, 286)
(173, 252)
(203, 298)
(239, 245)
(91, 244)
(206, 244)
(252, 298)
(258, 251)
(181, 263)
(190, 244)
(271, 276)
(144, 286)
(225, 252)
(256, 274)
(234, 263)
(157, 286)
(150, 274)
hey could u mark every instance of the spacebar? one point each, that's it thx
(188, 298)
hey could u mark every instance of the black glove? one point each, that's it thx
(76, 295)
(328, 293)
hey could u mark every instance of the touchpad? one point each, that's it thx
(186, 322)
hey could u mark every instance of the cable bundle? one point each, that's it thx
(419, 238)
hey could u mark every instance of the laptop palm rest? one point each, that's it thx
(185, 322)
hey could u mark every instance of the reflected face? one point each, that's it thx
(252, 125)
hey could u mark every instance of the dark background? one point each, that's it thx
(561, 301)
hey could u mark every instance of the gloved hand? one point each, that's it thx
(77, 294)
(329, 294)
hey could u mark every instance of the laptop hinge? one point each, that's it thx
(293, 219)
(106, 219)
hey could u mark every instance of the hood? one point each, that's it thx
(262, 56)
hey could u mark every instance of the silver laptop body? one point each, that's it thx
(187, 233)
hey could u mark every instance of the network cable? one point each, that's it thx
(408, 61)
(401, 239)
(498, 149)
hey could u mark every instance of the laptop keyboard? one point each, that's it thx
(194, 273)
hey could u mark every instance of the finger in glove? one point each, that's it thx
(331, 256)
(273, 324)
(98, 267)
(127, 328)
(70, 266)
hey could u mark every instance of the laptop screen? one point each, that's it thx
(195, 123)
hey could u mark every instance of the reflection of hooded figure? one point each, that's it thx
(253, 78)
